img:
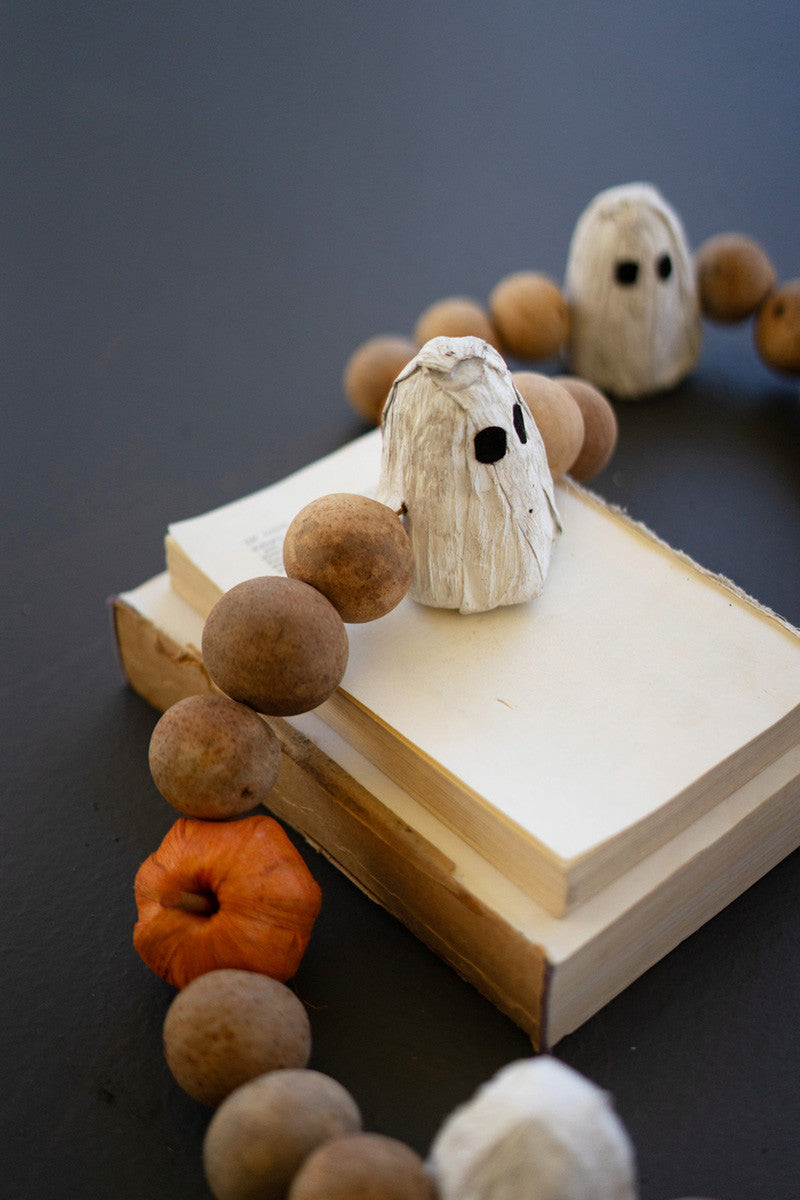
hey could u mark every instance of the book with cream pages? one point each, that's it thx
(564, 739)
(548, 974)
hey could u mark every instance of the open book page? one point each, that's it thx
(582, 729)
(245, 538)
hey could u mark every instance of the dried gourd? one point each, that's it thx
(232, 894)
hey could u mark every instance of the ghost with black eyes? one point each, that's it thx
(634, 313)
(463, 461)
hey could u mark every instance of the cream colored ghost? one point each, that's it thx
(635, 326)
(538, 1130)
(464, 461)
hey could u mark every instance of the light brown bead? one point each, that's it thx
(455, 316)
(530, 315)
(777, 329)
(734, 275)
(367, 1166)
(354, 550)
(557, 416)
(276, 644)
(213, 758)
(601, 429)
(228, 1026)
(372, 369)
(263, 1131)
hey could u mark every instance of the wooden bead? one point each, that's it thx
(371, 371)
(530, 315)
(213, 758)
(455, 316)
(263, 1131)
(365, 1165)
(558, 418)
(354, 550)
(601, 429)
(228, 1026)
(734, 275)
(777, 329)
(276, 644)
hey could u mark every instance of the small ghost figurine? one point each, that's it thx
(538, 1130)
(465, 464)
(634, 313)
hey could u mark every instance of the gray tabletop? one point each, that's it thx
(206, 208)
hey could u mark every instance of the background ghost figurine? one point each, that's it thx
(634, 313)
(463, 459)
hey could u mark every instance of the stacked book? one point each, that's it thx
(550, 795)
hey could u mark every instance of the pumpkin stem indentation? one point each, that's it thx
(203, 902)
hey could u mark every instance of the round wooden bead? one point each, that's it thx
(777, 329)
(734, 275)
(365, 1165)
(557, 416)
(372, 369)
(276, 644)
(601, 429)
(353, 550)
(228, 1026)
(213, 758)
(530, 315)
(455, 316)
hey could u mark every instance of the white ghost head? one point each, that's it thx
(630, 285)
(463, 459)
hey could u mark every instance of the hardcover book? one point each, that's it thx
(549, 974)
(565, 739)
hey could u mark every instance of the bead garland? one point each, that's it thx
(277, 646)
(238, 1040)
(530, 319)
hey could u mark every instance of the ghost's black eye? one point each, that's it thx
(519, 424)
(664, 266)
(491, 444)
(626, 271)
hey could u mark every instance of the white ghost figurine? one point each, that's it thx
(465, 464)
(635, 322)
(538, 1130)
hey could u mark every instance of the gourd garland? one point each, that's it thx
(235, 893)
(628, 320)
(226, 904)
(226, 907)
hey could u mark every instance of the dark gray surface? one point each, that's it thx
(206, 208)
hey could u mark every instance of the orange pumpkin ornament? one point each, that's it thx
(231, 894)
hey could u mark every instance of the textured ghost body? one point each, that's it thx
(463, 459)
(538, 1130)
(635, 326)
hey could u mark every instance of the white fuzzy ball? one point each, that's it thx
(537, 1131)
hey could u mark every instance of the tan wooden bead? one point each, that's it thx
(601, 429)
(734, 275)
(455, 316)
(530, 315)
(353, 550)
(372, 369)
(558, 418)
(276, 644)
(365, 1165)
(777, 329)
